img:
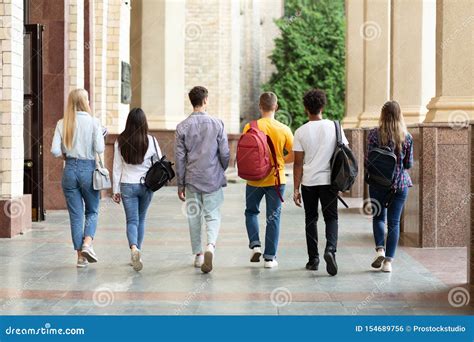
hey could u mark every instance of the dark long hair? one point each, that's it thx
(133, 141)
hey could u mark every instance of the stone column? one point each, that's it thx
(55, 89)
(376, 33)
(76, 44)
(15, 208)
(100, 59)
(269, 11)
(354, 62)
(216, 36)
(158, 49)
(470, 248)
(118, 40)
(413, 56)
(454, 100)
(250, 69)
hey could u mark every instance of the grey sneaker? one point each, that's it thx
(82, 262)
(208, 258)
(88, 253)
(137, 262)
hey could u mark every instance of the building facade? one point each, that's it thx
(49, 47)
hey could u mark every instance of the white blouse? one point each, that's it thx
(132, 174)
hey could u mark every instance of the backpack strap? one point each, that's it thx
(254, 125)
(277, 171)
(156, 149)
(337, 125)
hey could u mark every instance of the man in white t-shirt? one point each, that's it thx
(313, 147)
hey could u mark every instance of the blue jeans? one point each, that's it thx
(393, 213)
(136, 199)
(81, 199)
(201, 206)
(253, 197)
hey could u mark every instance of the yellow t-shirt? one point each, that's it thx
(282, 139)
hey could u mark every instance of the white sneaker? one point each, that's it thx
(137, 262)
(271, 263)
(82, 262)
(198, 261)
(88, 253)
(256, 254)
(379, 258)
(208, 257)
(387, 266)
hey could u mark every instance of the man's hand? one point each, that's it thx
(182, 194)
(116, 198)
(297, 197)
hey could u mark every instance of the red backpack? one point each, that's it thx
(253, 156)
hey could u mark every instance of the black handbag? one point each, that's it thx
(160, 173)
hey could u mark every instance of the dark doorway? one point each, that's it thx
(33, 118)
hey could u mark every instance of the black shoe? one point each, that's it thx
(331, 265)
(313, 265)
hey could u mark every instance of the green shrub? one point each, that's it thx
(310, 53)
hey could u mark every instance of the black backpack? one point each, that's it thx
(381, 166)
(380, 171)
(344, 167)
(159, 174)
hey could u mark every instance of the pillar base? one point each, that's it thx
(414, 114)
(350, 122)
(457, 110)
(369, 119)
(15, 215)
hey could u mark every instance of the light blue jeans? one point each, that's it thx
(81, 199)
(203, 208)
(136, 199)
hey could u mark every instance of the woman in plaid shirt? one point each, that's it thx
(392, 132)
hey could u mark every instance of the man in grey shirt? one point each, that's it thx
(202, 155)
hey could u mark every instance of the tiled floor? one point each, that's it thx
(38, 273)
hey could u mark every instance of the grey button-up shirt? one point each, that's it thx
(202, 153)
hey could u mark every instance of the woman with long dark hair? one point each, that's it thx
(391, 134)
(135, 151)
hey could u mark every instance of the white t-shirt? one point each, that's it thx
(132, 174)
(317, 139)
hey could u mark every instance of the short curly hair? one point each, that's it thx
(314, 101)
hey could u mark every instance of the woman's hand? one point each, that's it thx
(297, 197)
(116, 198)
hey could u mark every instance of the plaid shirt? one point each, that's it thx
(404, 158)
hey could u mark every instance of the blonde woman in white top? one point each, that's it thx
(78, 138)
(135, 151)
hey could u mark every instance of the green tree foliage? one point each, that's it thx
(310, 53)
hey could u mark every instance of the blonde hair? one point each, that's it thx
(392, 125)
(78, 100)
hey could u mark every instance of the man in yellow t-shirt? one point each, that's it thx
(282, 139)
